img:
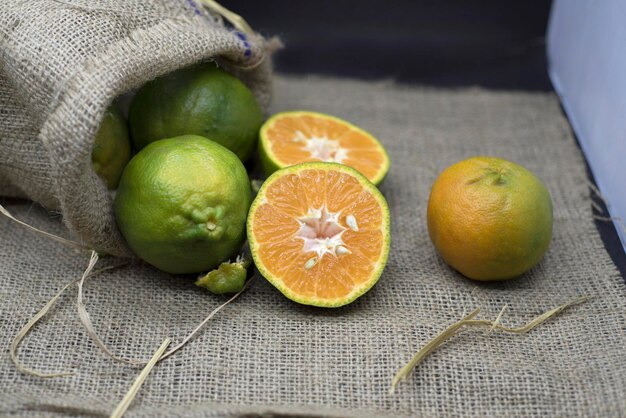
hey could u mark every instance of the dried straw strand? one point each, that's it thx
(86, 319)
(63, 241)
(428, 348)
(193, 333)
(237, 21)
(91, 331)
(15, 343)
(134, 389)
(82, 310)
(470, 321)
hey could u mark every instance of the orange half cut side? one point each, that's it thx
(290, 138)
(320, 233)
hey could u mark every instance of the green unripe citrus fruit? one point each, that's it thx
(111, 148)
(182, 204)
(200, 100)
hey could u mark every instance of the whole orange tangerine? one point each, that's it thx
(489, 218)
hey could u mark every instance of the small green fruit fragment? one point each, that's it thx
(227, 278)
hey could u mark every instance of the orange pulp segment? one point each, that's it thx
(319, 232)
(296, 137)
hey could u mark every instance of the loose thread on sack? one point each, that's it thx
(56, 238)
(34, 320)
(470, 321)
(134, 389)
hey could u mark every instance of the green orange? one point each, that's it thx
(111, 148)
(182, 204)
(200, 100)
(489, 218)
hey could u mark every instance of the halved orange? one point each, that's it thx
(319, 232)
(296, 137)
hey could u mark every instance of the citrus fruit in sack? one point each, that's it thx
(111, 148)
(490, 219)
(200, 100)
(182, 204)
(319, 232)
(290, 138)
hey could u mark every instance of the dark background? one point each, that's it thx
(492, 43)
(496, 44)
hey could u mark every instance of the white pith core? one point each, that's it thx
(321, 234)
(323, 148)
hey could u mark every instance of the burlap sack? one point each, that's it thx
(264, 356)
(64, 61)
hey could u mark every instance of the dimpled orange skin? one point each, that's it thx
(489, 218)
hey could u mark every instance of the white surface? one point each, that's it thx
(587, 64)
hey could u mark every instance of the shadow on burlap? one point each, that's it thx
(264, 355)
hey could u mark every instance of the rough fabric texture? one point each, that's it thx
(264, 355)
(64, 61)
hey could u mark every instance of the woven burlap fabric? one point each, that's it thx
(264, 354)
(64, 61)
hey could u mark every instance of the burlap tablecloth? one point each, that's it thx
(266, 356)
